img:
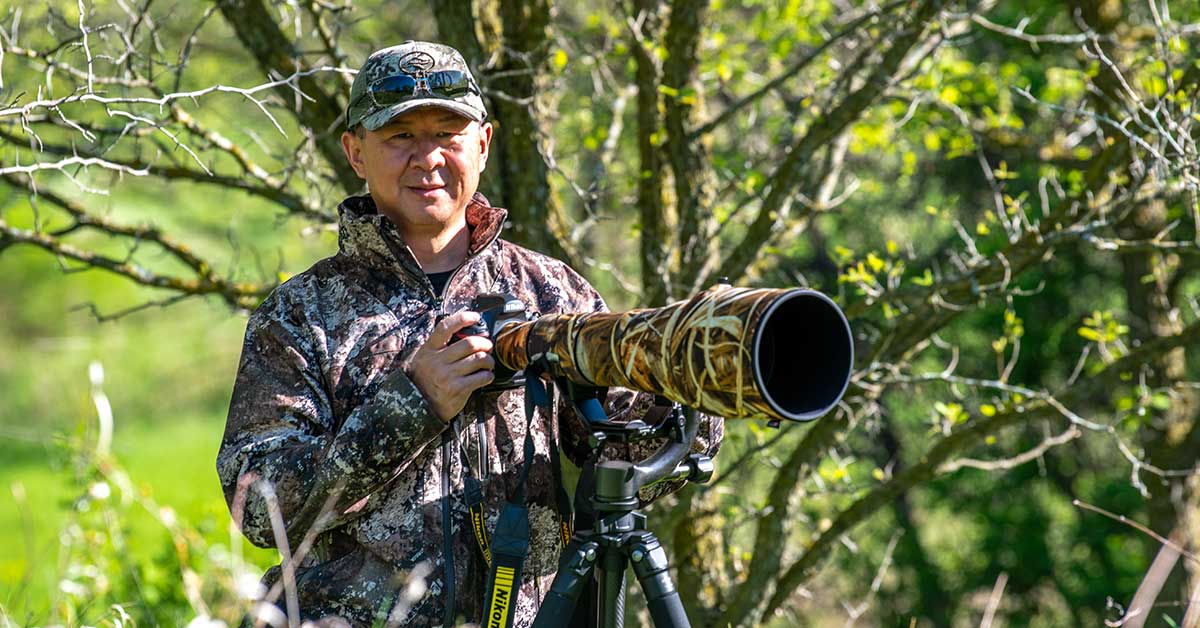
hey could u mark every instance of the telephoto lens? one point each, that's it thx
(774, 354)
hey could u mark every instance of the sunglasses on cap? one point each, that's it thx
(395, 89)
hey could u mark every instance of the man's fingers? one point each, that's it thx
(478, 379)
(449, 370)
(446, 327)
(474, 362)
(465, 347)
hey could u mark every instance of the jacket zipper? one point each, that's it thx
(448, 535)
(447, 446)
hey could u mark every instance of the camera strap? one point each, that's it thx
(565, 514)
(510, 541)
(473, 493)
(473, 485)
(474, 496)
(504, 578)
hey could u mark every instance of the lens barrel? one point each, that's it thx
(732, 352)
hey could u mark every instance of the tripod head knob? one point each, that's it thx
(700, 468)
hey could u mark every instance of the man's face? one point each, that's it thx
(422, 167)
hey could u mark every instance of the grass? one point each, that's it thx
(168, 377)
(172, 461)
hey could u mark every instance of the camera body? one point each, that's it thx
(497, 311)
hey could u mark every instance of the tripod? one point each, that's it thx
(615, 536)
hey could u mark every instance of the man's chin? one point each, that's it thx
(425, 216)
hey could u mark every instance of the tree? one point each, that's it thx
(1004, 203)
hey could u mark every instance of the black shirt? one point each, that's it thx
(439, 281)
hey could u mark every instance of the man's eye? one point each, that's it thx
(401, 136)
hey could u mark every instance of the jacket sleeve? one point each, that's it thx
(285, 457)
(623, 405)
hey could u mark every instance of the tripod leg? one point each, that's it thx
(611, 589)
(650, 566)
(574, 571)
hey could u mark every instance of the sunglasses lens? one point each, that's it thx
(397, 89)
(450, 83)
(393, 89)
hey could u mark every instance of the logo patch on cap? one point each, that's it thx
(416, 63)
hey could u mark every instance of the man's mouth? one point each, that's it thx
(426, 190)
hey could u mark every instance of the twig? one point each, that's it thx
(1033, 40)
(106, 318)
(857, 611)
(790, 71)
(1139, 527)
(287, 566)
(994, 600)
(1009, 463)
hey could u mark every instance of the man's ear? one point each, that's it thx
(352, 146)
(485, 144)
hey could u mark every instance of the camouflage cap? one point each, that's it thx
(414, 74)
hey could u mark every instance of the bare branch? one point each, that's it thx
(969, 434)
(238, 294)
(855, 26)
(1038, 451)
(778, 201)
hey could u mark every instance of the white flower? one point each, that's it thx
(206, 622)
(100, 491)
(70, 587)
(248, 586)
(269, 614)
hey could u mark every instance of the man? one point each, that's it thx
(357, 419)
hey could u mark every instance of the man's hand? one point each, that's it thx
(448, 372)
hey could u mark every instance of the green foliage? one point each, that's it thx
(972, 218)
(118, 551)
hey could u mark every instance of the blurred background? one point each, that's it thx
(1002, 196)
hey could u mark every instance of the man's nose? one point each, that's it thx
(428, 154)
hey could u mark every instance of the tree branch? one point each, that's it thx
(238, 294)
(854, 27)
(973, 432)
(276, 55)
(274, 190)
(777, 204)
(656, 225)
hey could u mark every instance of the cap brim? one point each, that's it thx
(380, 118)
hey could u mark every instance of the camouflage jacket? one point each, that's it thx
(331, 454)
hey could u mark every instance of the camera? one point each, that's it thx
(497, 311)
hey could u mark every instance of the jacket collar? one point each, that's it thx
(369, 238)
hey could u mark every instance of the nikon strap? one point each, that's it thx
(510, 542)
(474, 499)
(473, 486)
(504, 579)
(474, 495)
(565, 513)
